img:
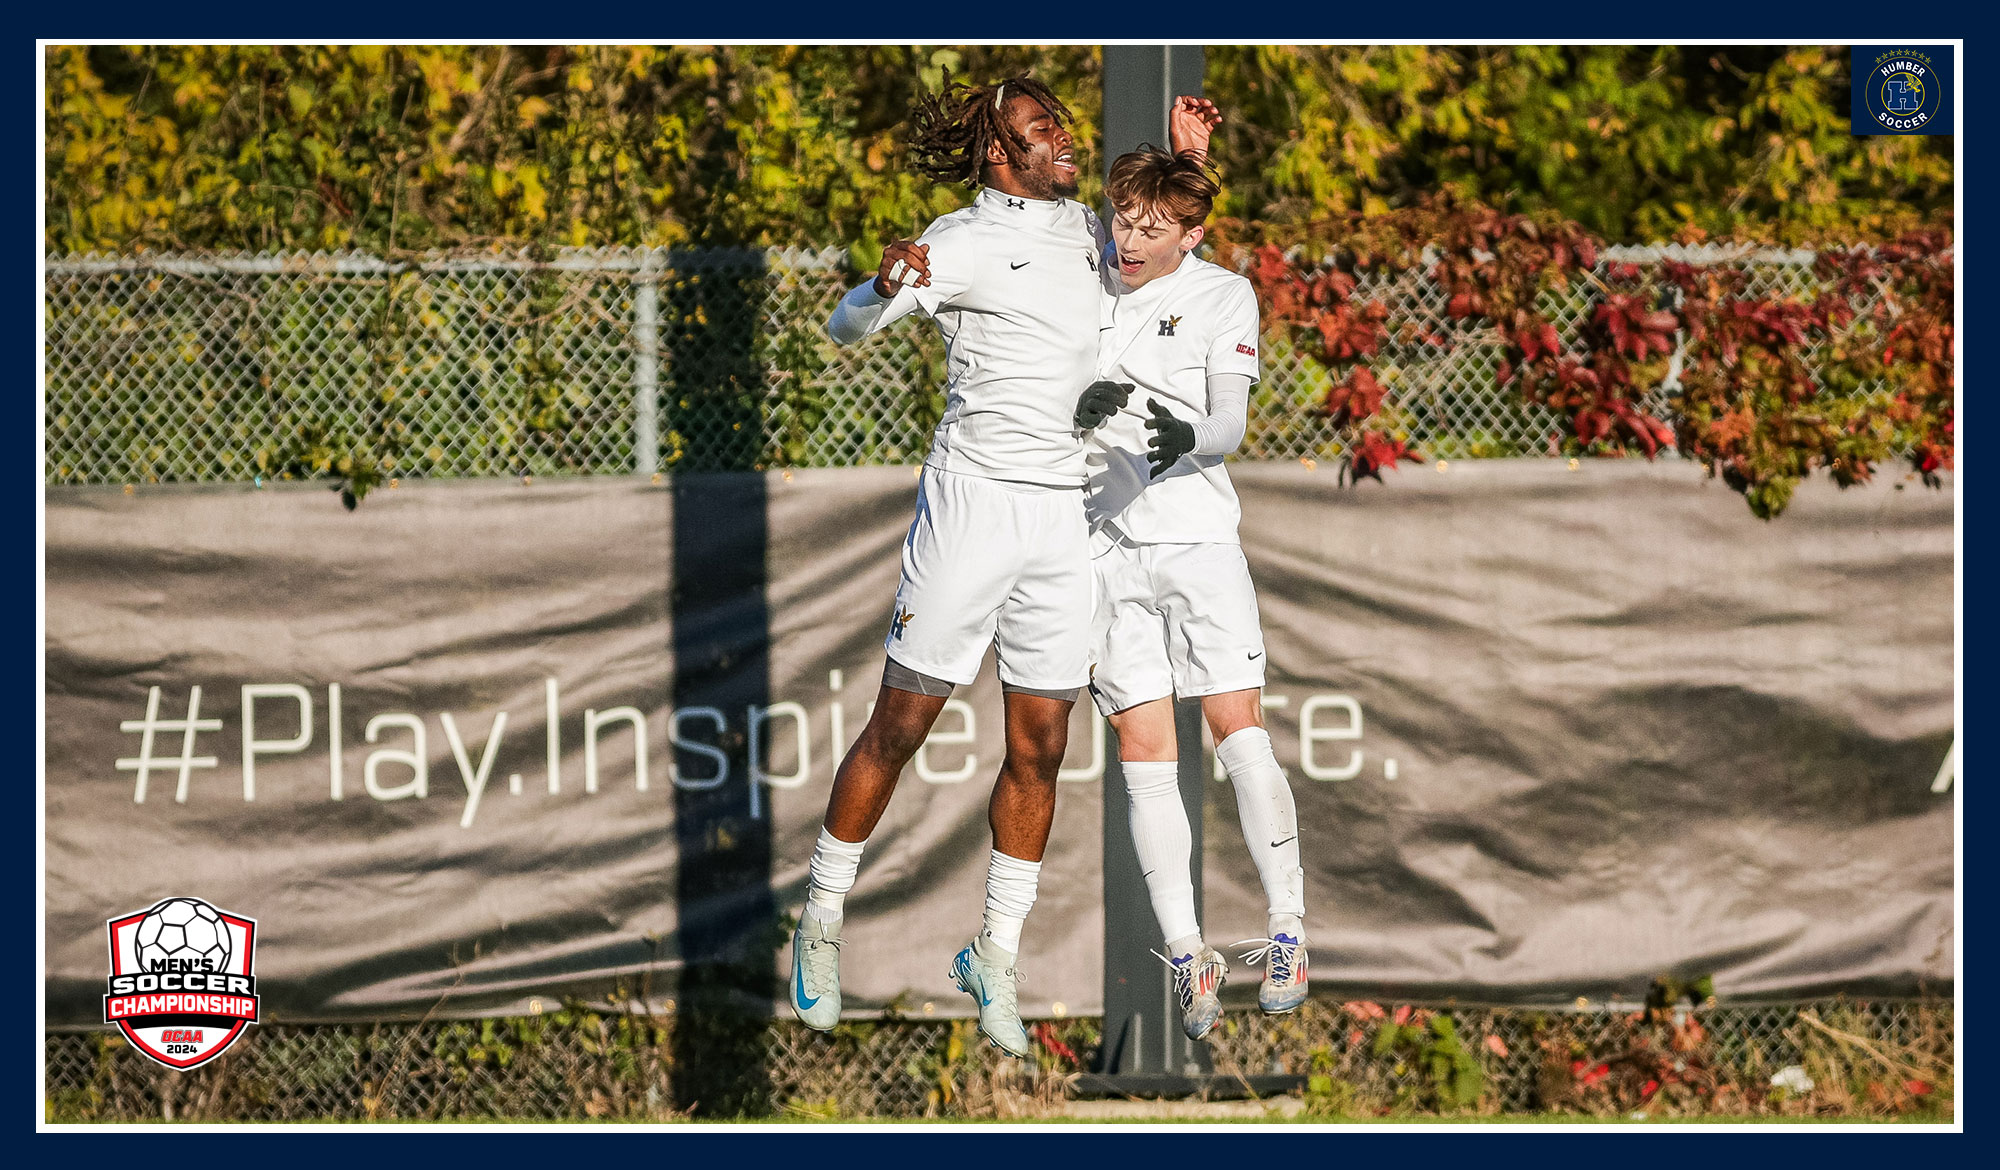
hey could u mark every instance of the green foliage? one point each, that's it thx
(386, 148)
(1327, 1095)
(401, 149)
(1636, 143)
(396, 148)
(1449, 1077)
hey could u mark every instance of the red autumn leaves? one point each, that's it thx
(1594, 388)
(1490, 268)
(1765, 382)
(1351, 330)
(1346, 330)
(1359, 397)
(1635, 327)
(1774, 387)
(1373, 452)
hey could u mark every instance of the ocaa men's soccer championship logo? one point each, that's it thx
(181, 986)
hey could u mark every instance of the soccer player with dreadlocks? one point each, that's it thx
(999, 553)
(1176, 611)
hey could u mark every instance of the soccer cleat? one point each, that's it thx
(816, 972)
(991, 983)
(1198, 983)
(1284, 960)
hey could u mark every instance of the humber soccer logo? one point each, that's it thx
(181, 986)
(1902, 91)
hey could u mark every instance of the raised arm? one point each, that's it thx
(1190, 123)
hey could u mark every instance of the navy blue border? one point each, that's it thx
(1828, 22)
(1448, 21)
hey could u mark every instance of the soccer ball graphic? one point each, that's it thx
(182, 934)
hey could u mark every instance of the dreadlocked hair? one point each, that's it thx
(952, 129)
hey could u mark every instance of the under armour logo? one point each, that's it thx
(1020, 203)
(1167, 326)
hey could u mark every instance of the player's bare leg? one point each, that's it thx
(868, 774)
(1164, 841)
(1271, 829)
(1233, 711)
(1022, 810)
(1024, 799)
(861, 791)
(1146, 731)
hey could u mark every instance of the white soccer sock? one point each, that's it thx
(1270, 820)
(1010, 894)
(1290, 925)
(834, 864)
(1163, 840)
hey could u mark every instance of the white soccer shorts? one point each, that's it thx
(989, 562)
(1173, 619)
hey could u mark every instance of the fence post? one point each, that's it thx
(646, 367)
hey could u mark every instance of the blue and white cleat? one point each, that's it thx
(990, 981)
(816, 972)
(1284, 960)
(1198, 981)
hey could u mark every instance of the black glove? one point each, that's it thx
(1172, 438)
(1100, 401)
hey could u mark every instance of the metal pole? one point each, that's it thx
(646, 369)
(1140, 84)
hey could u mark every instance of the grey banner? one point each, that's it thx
(1552, 732)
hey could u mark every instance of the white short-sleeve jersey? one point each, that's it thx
(1014, 290)
(1165, 338)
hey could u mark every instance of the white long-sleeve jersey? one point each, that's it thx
(1014, 291)
(1187, 340)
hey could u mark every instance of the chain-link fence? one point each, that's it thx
(235, 369)
(232, 369)
(1347, 1060)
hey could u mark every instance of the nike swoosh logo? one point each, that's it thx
(799, 981)
(985, 1000)
(965, 973)
(1286, 841)
(1256, 656)
(1022, 264)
